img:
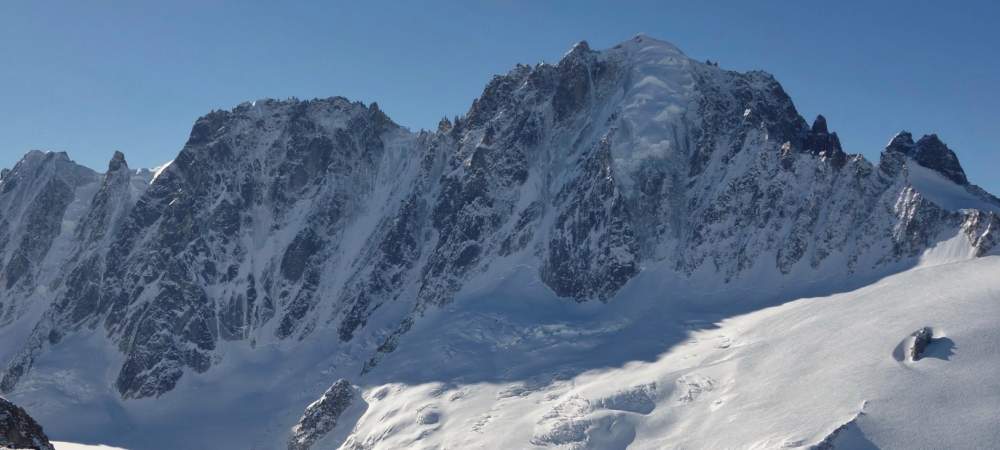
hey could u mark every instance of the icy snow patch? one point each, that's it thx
(74, 446)
(159, 170)
(944, 192)
(653, 119)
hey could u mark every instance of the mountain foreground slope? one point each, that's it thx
(584, 259)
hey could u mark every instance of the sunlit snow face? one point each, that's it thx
(653, 123)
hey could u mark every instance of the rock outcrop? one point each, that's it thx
(921, 339)
(19, 431)
(322, 416)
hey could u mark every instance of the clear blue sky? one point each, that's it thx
(90, 77)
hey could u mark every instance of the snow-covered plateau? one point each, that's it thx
(625, 249)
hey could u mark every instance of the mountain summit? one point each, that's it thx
(291, 244)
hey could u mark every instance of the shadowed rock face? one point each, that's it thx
(281, 218)
(931, 153)
(902, 142)
(37, 193)
(19, 431)
(819, 141)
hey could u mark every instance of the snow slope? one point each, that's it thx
(782, 377)
(945, 193)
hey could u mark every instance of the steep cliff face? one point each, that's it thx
(282, 220)
(42, 196)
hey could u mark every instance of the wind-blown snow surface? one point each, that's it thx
(782, 377)
(581, 217)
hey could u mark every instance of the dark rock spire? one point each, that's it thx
(117, 162)
(444, 125)
(819, 125)
(820, 142)
(931, 153)
(902, 142)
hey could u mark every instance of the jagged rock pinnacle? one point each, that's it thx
(930, 152)
(444, 125)
(117, 162)
(819, 141)
(902, 142)
(819, 125)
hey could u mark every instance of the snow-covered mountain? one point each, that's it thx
(536, 272)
